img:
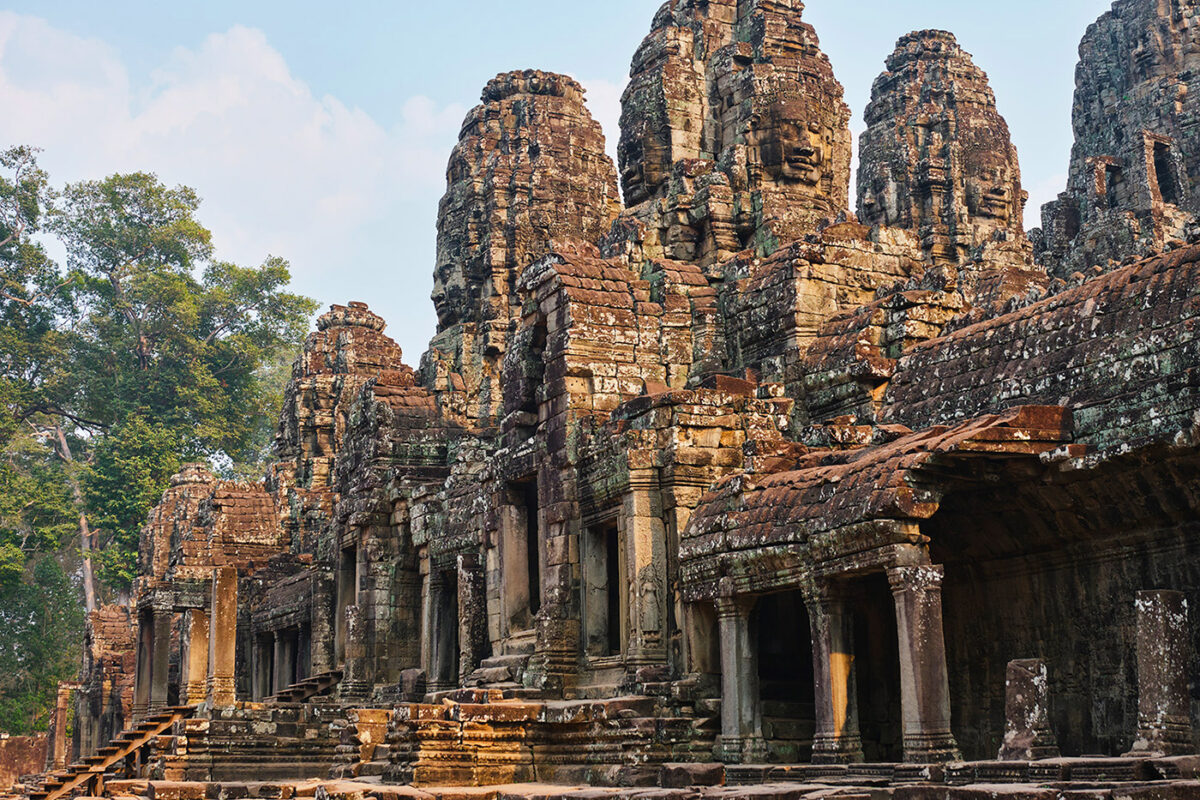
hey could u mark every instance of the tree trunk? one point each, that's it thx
(85, 532)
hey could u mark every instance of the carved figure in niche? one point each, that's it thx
(651, 622)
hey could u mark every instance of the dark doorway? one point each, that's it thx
(1164, 171)
(877, 663)
(604, 590)
(785, 676)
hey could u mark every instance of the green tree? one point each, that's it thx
(138, 353)
(35, 515)
(41, 629)
(171, 345)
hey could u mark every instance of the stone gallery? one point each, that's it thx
(707, 485)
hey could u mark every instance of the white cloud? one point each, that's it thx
(281, 170)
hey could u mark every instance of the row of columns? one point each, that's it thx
(924, 683)
(210, 641)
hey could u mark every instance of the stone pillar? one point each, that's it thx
(58, 749)
(222, 639)
(741, 739)
(1164, 704)
(472, 613)
(1027, 733)
(160, 655)
(321, 635)
(356, 678)
(197, 656)
(924, 685)
(279, 680)
(141, 675)
(835, 689)
(645, 555)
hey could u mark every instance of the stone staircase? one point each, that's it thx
(308, 688)
(89, 774)
(363, 752)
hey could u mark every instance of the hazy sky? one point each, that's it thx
(319, 132)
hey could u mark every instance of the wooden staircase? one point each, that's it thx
(90, 772)
(307, 688)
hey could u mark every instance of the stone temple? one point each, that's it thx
(708, 486)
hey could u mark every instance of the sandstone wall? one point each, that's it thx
(1120, 349)
(20, 755)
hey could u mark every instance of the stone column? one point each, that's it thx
(472, 613)
(835, 689)
(160, 655)
(645, 556)
(924, 685)
(1164, 704)
(58, 749)
(741, 739)
(1027, 733)
(279, 680)
(356, 678)
(197, 656)
(141, 675)
(222, 639)
(321, 636)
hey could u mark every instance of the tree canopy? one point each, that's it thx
(141, 352)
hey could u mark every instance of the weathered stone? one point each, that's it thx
(1164, 702)
(936, 157)
(734, 134)
(724, 475)
(1131, 186)
(1027, 733)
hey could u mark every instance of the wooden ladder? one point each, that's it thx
(91, 770)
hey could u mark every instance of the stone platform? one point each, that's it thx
(362, 790)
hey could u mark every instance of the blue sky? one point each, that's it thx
(319, 132)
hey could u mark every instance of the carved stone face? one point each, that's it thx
(989, 186)
(450, 292)
(793, 145)
(880, 205)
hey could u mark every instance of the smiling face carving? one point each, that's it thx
(794, 146)
(991, 179)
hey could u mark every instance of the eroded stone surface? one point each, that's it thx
(734, 134)
(722, 475)
(936, 157)
(1131, 187)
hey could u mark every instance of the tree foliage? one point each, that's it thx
(41, 628)
(140, 352)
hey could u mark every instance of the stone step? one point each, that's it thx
(486, 676)
(512, 660)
